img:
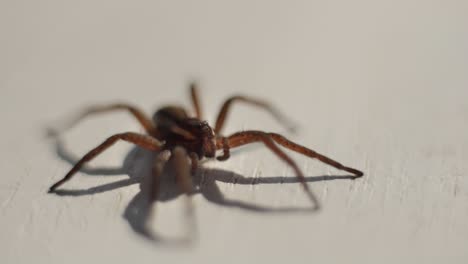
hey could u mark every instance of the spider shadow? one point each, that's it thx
(138, 166)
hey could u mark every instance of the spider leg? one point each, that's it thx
(312, 154)
(181, 166)
(220, 120)
(194, 159)
(243, 138)
(226, 150)
(196, 100)
(141, 117)
(247, 137)
(143, 141)
(158, 167)
(155, 184)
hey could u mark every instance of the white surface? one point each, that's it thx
(378, 85)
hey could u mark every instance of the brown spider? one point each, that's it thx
(176, 136)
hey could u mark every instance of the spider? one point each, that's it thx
(185, 140)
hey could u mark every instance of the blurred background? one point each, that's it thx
(378, 85)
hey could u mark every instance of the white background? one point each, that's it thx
(378, 85)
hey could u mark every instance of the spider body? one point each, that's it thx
(174, 125)
(182, 140)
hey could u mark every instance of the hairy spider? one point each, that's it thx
(186, 140)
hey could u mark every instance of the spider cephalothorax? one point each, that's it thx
(178, 129)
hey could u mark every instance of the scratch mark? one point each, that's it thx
(254, 178)
(10, 198)
(405, 182)
(28, 224)
(84, 223)
(58, 216)
(456, 184)
(324, 192)
(118, 201)
(367, 178)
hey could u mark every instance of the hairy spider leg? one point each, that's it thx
(194, 160)
(139, 115)
(220, 120)
(226, 150)
(196, 100)
(312, 154)
(144, 141)
(158, 167)
(247, 137)
(154, 185)
(180, 163)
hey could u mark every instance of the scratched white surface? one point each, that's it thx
(379, 85)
